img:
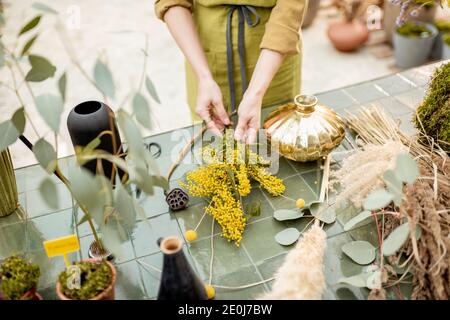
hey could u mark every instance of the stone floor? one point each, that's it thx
(116, 31)
(259, 255)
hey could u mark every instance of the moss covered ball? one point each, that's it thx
(433, 115)
(18, 277)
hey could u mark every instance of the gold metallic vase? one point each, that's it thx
(304, 130)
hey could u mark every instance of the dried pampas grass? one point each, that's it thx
(362, 171)
(301, 276)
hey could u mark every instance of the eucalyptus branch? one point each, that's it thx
(19, 97)
(71, 53)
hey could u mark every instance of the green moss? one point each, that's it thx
(446, 38)
(442, 25)
(95, 277)
(412, 29)
(434, 112)
(18, 276)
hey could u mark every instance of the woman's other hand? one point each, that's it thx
(210, 106)
(249, 113)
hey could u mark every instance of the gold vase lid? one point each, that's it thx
(304, 130)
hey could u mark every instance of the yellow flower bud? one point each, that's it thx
(190, 235)
(210, 291)
(300, 203)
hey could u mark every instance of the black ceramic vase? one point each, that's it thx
(178, 280)
(85, 122)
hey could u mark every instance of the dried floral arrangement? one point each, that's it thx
(414, 7)
(410, 205)
(225, 178)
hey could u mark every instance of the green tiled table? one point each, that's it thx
(259, 255)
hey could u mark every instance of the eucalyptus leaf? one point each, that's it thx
(287, 236)
(93, 193)
(62, 84)
(286, 214)
(323, 212)
(111, 238)
(18, 119)
(132, 135)
(151, 89)
(395, 240)
(30, 25)
(49, 193)
(357, 219)
(41, 69)
(406, 168)
(362, 252)
(125, 206)
(104, 79)
(142, 110)
(8, 134)
(44, 8)
(143, 180)
(394, 186)
(50, 107)
(377, 199)
(28, 45)
(359, 280)
(45, 154)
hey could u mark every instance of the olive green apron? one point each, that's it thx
(231, 37)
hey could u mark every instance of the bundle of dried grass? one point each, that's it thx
(301, 275)
(426, 203)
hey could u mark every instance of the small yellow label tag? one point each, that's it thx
(61, 246)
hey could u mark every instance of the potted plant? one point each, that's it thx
(412, 43)
(397, 12)
(349, 34)
(19, 279)
(446, 46)
(443, 27)
(94, 280)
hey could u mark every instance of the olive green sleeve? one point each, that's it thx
(161, 6)
(282, 32)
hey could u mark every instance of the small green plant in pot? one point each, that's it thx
(412, 43)
(87, 280)
(443, 27)
(19, 279)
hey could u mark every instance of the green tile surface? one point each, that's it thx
(258, 256)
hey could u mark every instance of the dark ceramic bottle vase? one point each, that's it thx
(178, 280)
(85, 122)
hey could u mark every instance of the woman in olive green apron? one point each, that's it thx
(241, 54)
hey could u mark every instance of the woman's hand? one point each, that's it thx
(249, 113)
(210, 106)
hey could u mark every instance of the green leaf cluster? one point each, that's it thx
(95, 278)
(433, 114)
(18, 276)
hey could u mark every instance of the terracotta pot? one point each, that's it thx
(32, 295)
(108, 294)
(347, 35)
(392, 11)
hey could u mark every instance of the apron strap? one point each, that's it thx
(245, 15)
